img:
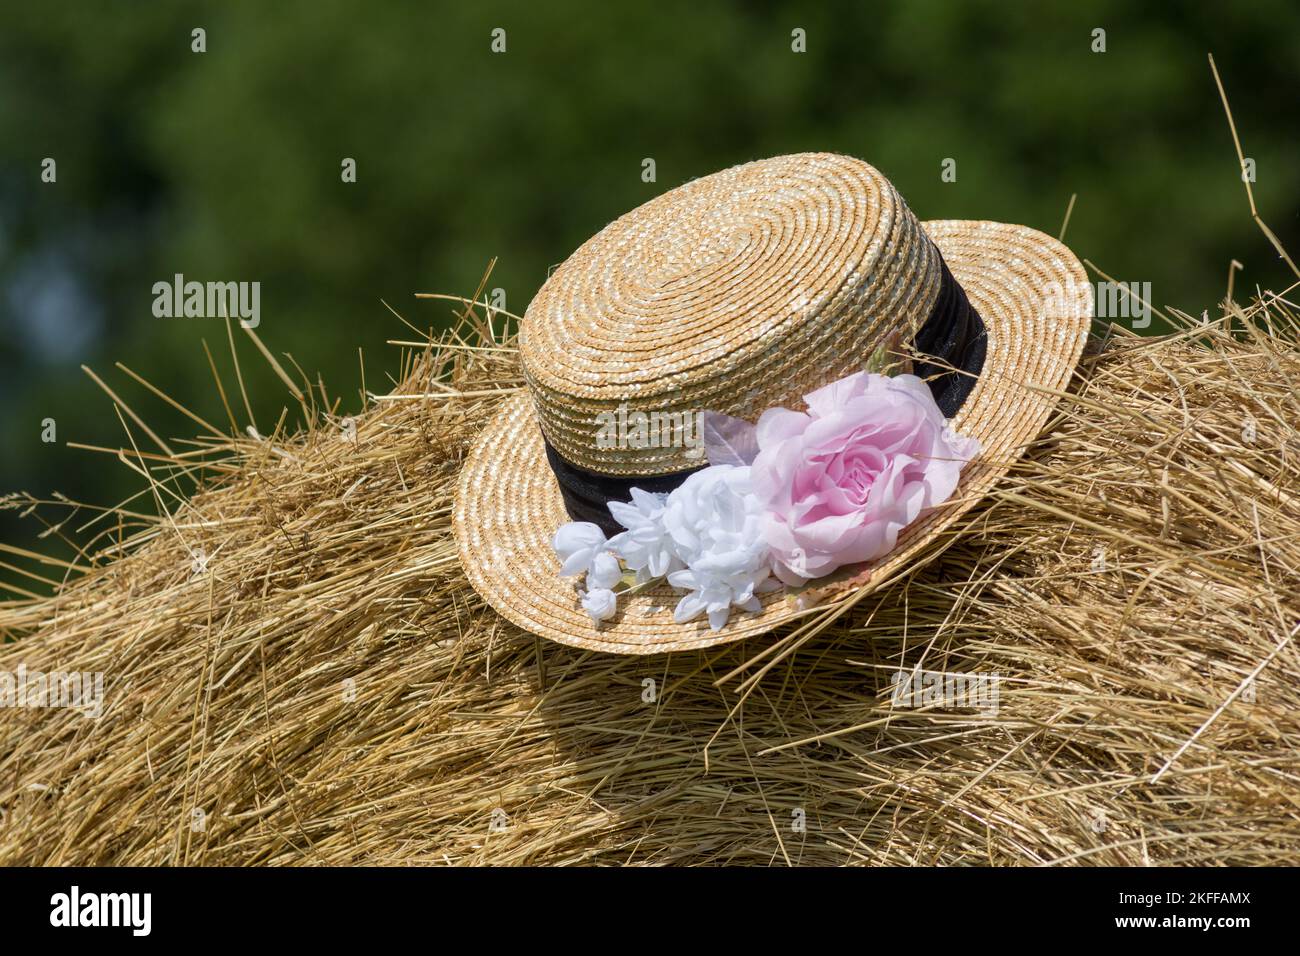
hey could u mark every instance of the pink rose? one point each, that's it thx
(840, 481)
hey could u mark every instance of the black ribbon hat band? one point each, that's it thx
(953, 335)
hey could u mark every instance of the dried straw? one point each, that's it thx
(295, 654)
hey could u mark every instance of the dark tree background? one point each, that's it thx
(225, 165)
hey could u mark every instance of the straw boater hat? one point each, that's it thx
(739, 292)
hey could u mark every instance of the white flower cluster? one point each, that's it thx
(705, 537)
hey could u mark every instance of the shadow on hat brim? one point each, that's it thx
(1034, 298)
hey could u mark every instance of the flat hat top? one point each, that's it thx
(735, 292)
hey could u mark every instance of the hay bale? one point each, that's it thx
(327, 689)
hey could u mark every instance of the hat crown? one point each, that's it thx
(735, 293)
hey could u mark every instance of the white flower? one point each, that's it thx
(716, 524)
(578, 544)
(716, 595)
(645, 547)
(604, 571)
(582, 548)
(600, 603)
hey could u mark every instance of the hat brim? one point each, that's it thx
(1034, 298)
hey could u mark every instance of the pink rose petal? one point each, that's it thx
(839, 483)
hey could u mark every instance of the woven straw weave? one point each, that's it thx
(735, 293)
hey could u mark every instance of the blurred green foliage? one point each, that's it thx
(225, 165)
